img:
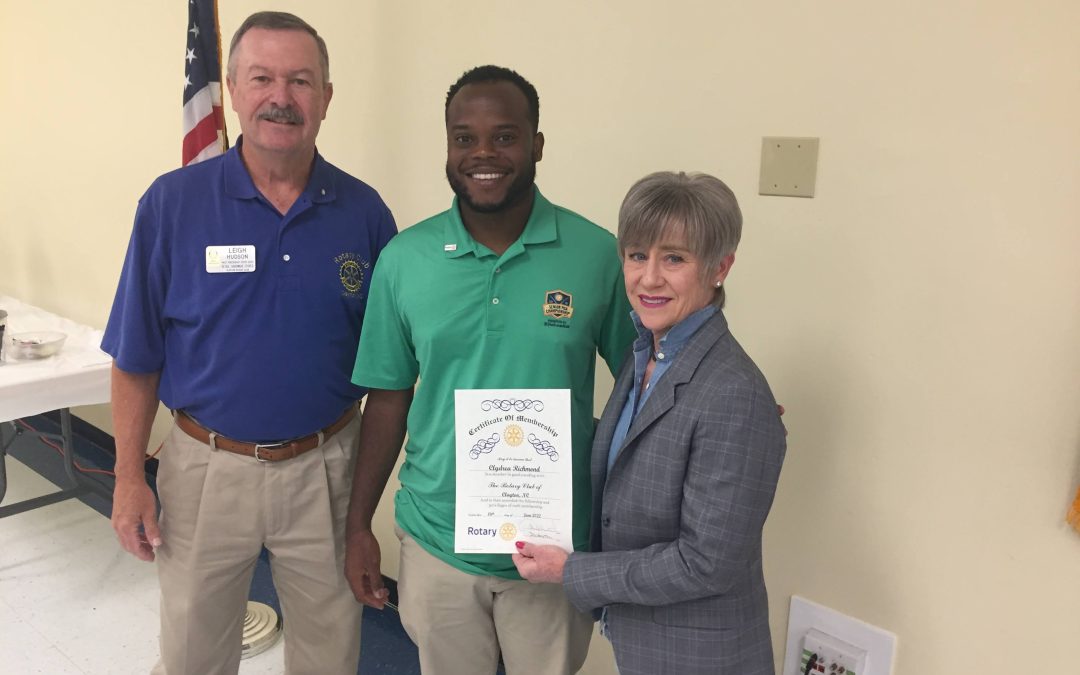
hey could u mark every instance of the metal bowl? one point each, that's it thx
(38, 345)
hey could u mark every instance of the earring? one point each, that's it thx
(719, 284)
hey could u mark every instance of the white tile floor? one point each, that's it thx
(71, 601)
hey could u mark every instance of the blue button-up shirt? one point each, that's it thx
(670, 346)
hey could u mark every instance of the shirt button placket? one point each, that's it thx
(495, 312)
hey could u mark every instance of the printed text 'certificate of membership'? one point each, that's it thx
(514, 469)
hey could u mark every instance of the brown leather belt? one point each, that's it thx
(264, 452)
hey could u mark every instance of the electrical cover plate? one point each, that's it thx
(805, 616)
(833, 655)
(788, 166)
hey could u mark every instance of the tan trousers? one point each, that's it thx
(461, 621)
(218, 510)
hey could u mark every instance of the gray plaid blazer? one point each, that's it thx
(676, 529)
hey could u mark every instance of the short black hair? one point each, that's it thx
(490, 73)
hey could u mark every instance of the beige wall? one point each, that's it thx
(920, 317)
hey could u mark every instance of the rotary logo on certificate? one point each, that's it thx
(514, 469)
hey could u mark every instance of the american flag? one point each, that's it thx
(204, 120)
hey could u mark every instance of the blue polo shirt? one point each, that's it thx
(257, 355)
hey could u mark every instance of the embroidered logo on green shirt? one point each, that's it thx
(559, 304)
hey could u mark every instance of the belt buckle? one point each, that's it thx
(268, 446)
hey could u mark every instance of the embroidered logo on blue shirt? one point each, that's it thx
(351, 271)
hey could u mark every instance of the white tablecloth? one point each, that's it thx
(78, 375)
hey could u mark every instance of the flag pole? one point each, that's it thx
(221, 78)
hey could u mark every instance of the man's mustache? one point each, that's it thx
(286, 115)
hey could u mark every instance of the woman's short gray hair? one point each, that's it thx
(697, 206)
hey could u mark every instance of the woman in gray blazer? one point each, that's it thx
(686, 457)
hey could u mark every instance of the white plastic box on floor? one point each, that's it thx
(72, 602)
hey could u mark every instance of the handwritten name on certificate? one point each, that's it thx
(514, 469)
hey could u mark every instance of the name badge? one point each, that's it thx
(222, 259)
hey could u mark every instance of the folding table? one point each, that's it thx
(78, 375)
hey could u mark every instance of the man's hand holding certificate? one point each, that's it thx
(514, 473)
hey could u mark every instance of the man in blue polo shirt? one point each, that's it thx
(503, 290)
(239, 308)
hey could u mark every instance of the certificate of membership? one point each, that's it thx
(514, 469)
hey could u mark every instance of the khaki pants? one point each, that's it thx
(218, 510)
(461, 621)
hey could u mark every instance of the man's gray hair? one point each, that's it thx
(696, 206)
(279, 21)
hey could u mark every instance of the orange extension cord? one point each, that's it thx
(60, 450)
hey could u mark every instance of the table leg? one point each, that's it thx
(68, 443)
(3, 455)
(79, 485)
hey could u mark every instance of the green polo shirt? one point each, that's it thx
(450, 312)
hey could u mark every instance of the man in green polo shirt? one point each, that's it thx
(458, 302)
